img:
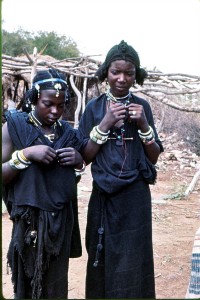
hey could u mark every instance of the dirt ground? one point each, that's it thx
(175, 222)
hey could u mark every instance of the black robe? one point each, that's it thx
(119, 222)
(42, 203)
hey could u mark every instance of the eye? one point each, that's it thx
(131, 73)
(47, 104)
(114, 72)
(61, 105)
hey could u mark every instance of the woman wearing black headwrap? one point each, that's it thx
(40, 154)
(119, 222)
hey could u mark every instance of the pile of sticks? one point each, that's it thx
(158, 86)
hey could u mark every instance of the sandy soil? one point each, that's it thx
(175, 222)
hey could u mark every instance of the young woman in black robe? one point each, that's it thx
(119, 222)
(40, 154)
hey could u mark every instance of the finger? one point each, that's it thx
(51, 155)
(66, 159)
(66, 154)
(64, 150)
(51, 150)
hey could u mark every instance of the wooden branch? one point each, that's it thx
(151, 74)
(192, 184)
(28, 56)
(84, 90)
(16, 59)
(10, 64)
(34, 66)
(77, 92)
(14, 67)
(166, 91)
(173, 105)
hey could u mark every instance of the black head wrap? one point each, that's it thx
(45, 80)
(122, 52)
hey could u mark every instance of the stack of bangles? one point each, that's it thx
(98, 136)
(148, 137)
(19, 161)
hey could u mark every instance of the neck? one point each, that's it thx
(112, 98)
(38, 123)
(35, 119)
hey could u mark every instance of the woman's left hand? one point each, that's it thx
(69, 157)
(136, 112)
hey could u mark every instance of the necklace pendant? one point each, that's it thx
(50, 137)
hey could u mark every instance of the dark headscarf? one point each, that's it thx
(122, 52)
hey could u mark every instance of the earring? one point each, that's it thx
(38, 90)
(58, 87)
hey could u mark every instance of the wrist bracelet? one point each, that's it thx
(102, 133)
(146, 133)
(148, 137)
(80, 171)
(23, 158)
(149, 142)
(98, 137)
(17, 162)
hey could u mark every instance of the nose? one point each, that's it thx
(121, 77)
(54, 110)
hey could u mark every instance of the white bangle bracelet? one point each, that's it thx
(15, 163)
(145, 133)
(100, 132)
(80, 171)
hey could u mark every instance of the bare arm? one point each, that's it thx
(7, 149)
(153, 150)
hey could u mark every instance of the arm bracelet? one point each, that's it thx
(18, 161)
(97, 136)
(146, 133)
(80, 171)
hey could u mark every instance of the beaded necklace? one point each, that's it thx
(114, 99)
(38, 124)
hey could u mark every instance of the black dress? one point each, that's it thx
(42, 203)
(119, 222)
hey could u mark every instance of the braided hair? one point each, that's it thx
(45, 80)
(122, 52)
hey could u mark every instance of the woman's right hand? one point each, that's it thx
(40, 153)
(115, 113)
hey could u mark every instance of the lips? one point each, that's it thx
(52, 120)
(121, 88)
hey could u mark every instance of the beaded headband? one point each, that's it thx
(57, 86)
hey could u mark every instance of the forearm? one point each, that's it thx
(8, 174)
(152, 151)
(147, 137)
(90, 151)
(17, 163)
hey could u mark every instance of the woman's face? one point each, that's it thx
(49, 108)
(121, 76)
